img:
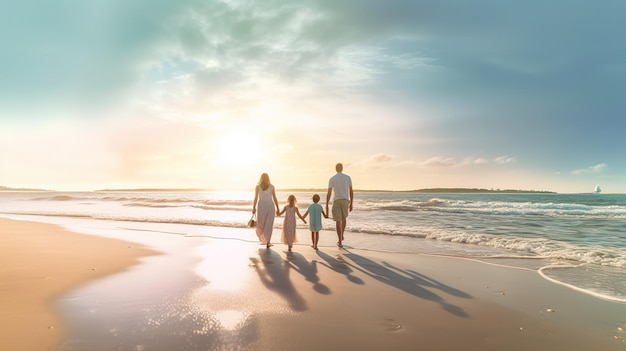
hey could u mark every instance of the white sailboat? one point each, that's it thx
(597, 189)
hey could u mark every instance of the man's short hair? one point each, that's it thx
(339, 167)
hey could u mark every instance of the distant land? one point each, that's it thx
(147, 190)
(6, 188)
(478, 190)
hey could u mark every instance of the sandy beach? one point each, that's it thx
(38, 262)
(70, 291)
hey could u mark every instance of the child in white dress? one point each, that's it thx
(289, 224)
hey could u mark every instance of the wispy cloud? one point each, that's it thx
(381, 158)
(439, 162)
(504, 159)
(600, 167)
(378, 161)
(467, 161)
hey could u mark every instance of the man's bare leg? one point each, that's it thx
(339, 226)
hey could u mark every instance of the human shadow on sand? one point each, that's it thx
(408, 281)
(308, 270)
(274, 274)
(339, 265)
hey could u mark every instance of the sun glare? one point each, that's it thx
(238, 149)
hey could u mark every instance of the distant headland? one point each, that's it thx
(479, 190)
(6, 188)
(156, 190)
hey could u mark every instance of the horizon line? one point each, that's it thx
(424, 190)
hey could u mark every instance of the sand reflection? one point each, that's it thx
(231, 319)
(233, 273)
(219, 305)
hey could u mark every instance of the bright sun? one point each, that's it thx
(238, 149)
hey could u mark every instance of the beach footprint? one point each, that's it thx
(391, 325)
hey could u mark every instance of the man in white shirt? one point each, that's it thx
(341, 184)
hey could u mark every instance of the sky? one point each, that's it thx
(407, 94)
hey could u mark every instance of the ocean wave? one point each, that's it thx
(402, 206)
(533, 209)
(188, 221)
(494, 208)
(56, 198)
(544, 248)
(369, 203)
(394, 208)
(601, 282)
(212, 207)
(152, 201)
(611, 253)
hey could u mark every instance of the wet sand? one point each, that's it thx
(224, 294)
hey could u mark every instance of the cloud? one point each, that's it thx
(468, 161)
(378, 161)
(504, 159)
(381, 158)
(479, 161)
(439, 162)
(600, 167)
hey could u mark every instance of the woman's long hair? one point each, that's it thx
(264, 182)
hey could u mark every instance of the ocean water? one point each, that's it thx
(577, 240)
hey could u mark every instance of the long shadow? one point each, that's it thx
(428, 281)
(409, 282)
(308, 271)
(274, 274)
(339, 265)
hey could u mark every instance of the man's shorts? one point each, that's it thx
(340, 209)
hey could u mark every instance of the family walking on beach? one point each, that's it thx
(265, 202)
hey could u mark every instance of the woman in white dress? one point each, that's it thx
(265, 198)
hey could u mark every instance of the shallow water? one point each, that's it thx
(583, 232)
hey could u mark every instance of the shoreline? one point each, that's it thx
(38, 263)
(220, 293)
